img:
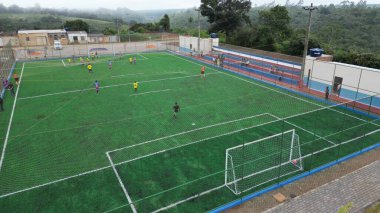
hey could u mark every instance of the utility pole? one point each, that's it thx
(310, 9)
(199, 30)
(118, 29)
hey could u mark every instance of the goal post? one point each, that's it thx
(261, 161)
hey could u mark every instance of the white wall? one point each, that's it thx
(205, 44)
(366, 80)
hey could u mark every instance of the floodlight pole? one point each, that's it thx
(310, 9)
(199, 29)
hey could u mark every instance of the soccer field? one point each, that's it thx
(68, 149)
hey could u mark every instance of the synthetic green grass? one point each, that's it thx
(62, 128)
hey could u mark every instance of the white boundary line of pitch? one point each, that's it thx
(185, 132)
(11, 119)
(121, 184)
(272, 89)
(63, 63)
(94, 170)
(110, 86)
(219, 187)
(310, 132)
(145, 58)
(150, 92)
(106, 167)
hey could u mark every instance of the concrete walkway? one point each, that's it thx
(361, 187)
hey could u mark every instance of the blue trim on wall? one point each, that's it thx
(328, 102)
(261, 56)
(346, 93)
(259, 72)
(293, 179)
(265, 64)
(9, 78)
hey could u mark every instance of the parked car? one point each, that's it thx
(57, 45)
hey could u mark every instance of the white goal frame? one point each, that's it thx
(230, 169)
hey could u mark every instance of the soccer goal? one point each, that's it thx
(262, 161)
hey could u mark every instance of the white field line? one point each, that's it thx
(186, 132)
(187, 199)
(315, 110)
(348, 141)
(11, 119)
(142, 56)
(187, 144)
(272, 89)
(121, 120)
(121, 184)
(310, 132)
(110, 86)
(164, 73)
(156, 91)
(119, 76)
(55, 181)
(194, 142)
(106, 167)
(102, 168)
(208, 191)
(75, 176)
(63, 63)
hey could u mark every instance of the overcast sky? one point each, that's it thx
(144, 4)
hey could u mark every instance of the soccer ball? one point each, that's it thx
(294, 162)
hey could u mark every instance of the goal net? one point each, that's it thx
(262, 161)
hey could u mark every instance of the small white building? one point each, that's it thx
(190, 44)
(77, 37)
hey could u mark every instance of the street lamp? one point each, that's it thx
(310, 9)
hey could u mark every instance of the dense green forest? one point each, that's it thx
(350, 32)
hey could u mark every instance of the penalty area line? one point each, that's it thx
(121, 184)
(63, 63)
(156, 91)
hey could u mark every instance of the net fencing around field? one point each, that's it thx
(7, 60)
(133, 43)
(183, 170)
(194, 176)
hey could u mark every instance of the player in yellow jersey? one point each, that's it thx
(69, 60)
(89, 67)
(130, 60)
(135, 86)
(87, 60)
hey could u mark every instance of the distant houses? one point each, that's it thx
(26, 38)
(77, 37)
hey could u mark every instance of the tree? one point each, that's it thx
(277, 21)
(190, 19)
(109, 31)
(165, 23)
(77, 25)
(226, 16)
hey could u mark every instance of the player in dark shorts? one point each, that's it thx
(11, 88)
(1, 104)
(327, 93)
(176, 109)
